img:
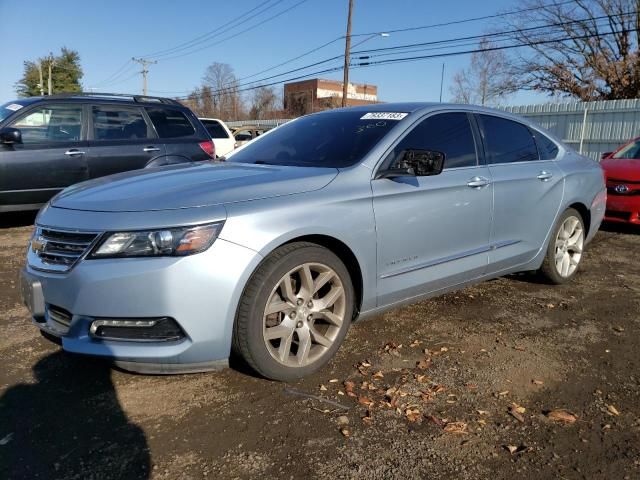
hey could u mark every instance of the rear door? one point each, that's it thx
(121, 139)
(180, 132)
(433, 231)
(528, 187)
(52, 155)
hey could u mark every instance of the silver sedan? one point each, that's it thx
(330, 218)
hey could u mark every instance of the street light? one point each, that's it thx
(345, 84)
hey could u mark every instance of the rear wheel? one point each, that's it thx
(564, 252)
(295, 312)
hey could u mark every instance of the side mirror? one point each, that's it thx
(605, 155)
(9, 136)
(416, 163)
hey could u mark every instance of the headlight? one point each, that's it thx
(154, 243)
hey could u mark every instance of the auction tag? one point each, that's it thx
(14, 107)
(384, 116)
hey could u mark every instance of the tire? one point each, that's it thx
(565, 248)
(304, 324)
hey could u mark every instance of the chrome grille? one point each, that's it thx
(58, 250)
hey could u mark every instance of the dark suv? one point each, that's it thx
(48, 143)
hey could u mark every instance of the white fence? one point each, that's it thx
(592, 128)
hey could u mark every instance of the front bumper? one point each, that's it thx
(623, 208)
(200, 292)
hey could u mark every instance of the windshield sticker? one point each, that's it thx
(14, 107)
(384, 116)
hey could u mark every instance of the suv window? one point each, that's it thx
(546, 148)
(215, 129)
(170, 123)
(507, 141)
(117, 123)
(449, 133)
(51, 123)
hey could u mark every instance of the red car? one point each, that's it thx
(622, 171)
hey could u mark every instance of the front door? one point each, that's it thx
(528, 187)
(121, 139)
(433, 231)
(52, 156)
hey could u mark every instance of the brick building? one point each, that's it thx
(317, 94)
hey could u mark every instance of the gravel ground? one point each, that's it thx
(507, 379)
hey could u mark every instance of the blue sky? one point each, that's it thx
(107, 34)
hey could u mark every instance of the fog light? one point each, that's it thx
(137, 330)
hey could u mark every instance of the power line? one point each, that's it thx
(440, 55)
(245, 17)
(252, 27)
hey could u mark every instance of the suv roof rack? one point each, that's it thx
(135, 98)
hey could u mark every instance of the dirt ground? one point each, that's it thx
(509, 379)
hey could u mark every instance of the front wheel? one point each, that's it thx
(295, 312)
(565, 248)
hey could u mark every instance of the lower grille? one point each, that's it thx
(614, 214)
(58, 319)
(58, 250)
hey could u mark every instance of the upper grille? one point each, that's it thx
(58, 250)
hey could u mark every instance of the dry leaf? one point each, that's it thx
(456, 427)
(415, 343)
(365, 401)
(515, 414)
(483, 412)
(368, 418)
(378, 374)
(343, 420)
(518, 408)
(412, 414)
(334, 380)
(503, 393)
(436, 420)
(340, 392)
(345, 432)
(444, 349)
(537, 382)
(613, 410)
(561, 416)
(422, 378)
(512, 449)
(323, 388)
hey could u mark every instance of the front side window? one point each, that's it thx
(116, 123)
(52, 123)
(170, 123)
(630, 151)
(333, 139)
(215, 129)
(507, 141)
(449, 133)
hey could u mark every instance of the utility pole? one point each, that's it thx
(51, 64)
(41, 84)
(145, 70)
(347, 51)
(441, 82)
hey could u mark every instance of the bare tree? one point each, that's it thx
(486, 81)
(225, 98)
(590, 50)
(264, 103)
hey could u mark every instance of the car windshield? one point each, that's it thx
(9, 108)
(630, 151)
(333, 139)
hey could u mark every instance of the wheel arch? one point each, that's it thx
(345, 254)
(584, 212)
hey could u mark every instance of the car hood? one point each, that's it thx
(622, 169)
(191, 185)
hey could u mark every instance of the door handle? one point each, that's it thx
(544, 176)
(73, 153)
(478, 182)
(150, 149)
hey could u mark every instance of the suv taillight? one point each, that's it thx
(209, 148)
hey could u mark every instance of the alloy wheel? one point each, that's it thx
(303, 314)
(568, 246)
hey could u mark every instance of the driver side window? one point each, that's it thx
(51, 123)
(449, 133)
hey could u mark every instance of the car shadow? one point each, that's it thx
(69, 424)
(615, 227)
(17, 219)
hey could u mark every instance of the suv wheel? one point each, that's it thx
(295, 312)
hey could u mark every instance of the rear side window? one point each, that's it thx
(215, 129)
(546, 148)
(53, 123)
(507, 141)
(170, 123)
(449, 133)
(118, 123)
